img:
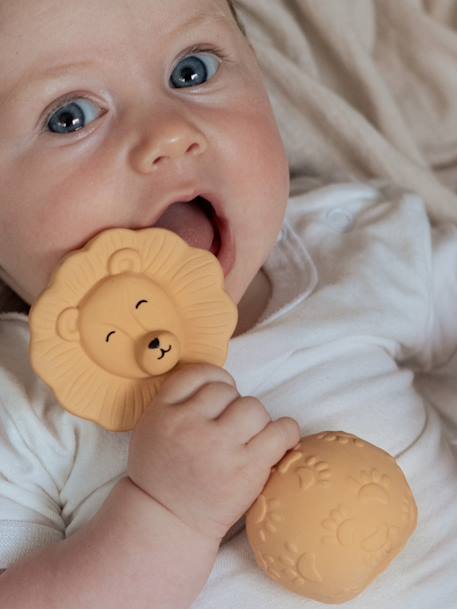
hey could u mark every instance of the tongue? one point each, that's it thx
(189, 222)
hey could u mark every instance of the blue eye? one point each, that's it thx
(193, 71)
(72, 116)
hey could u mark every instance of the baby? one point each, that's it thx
(118, 114)
(113, 112)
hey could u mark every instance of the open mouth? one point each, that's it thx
(209, 212)
(194, 221)
(197, 222)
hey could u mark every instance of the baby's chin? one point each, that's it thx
(252, 302)
(237, 289)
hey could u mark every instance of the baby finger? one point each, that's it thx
(274, 441)
(243, 419)
(212, 399)
(187, 379)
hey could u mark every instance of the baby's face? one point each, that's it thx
(109, 116)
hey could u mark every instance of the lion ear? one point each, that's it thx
(124, 260)
(67, 324)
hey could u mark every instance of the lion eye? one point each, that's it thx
(112, 332)
(139, 303)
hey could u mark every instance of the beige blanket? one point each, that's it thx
(364, 88)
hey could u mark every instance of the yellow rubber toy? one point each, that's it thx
(121, 313)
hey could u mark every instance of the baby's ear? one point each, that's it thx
(126, 260)
(67, 324)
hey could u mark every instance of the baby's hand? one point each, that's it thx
(204, 452)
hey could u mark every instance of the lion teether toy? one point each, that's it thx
(119, 314)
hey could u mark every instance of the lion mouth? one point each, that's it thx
(164, 352)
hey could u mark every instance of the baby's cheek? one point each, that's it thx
(267, 156)
(261, 152)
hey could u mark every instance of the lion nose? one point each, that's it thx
(158, 351)
(154, 344)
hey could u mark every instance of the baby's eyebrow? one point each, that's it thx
(33, 76)
(55, 72)
(199, 20)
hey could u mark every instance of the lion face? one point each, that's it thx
(122, 313)
(127, 325)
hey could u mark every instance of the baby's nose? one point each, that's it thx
(174, 139)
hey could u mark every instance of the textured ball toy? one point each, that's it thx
(121, 313)
(333, 515)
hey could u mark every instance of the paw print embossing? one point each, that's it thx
(299, 567)
(372, 487)
(380, 543)
(341, 438)
(267, 562)
(376, 540)
(310, 471)
(266, 516)
(292, 565)
(342, 527)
